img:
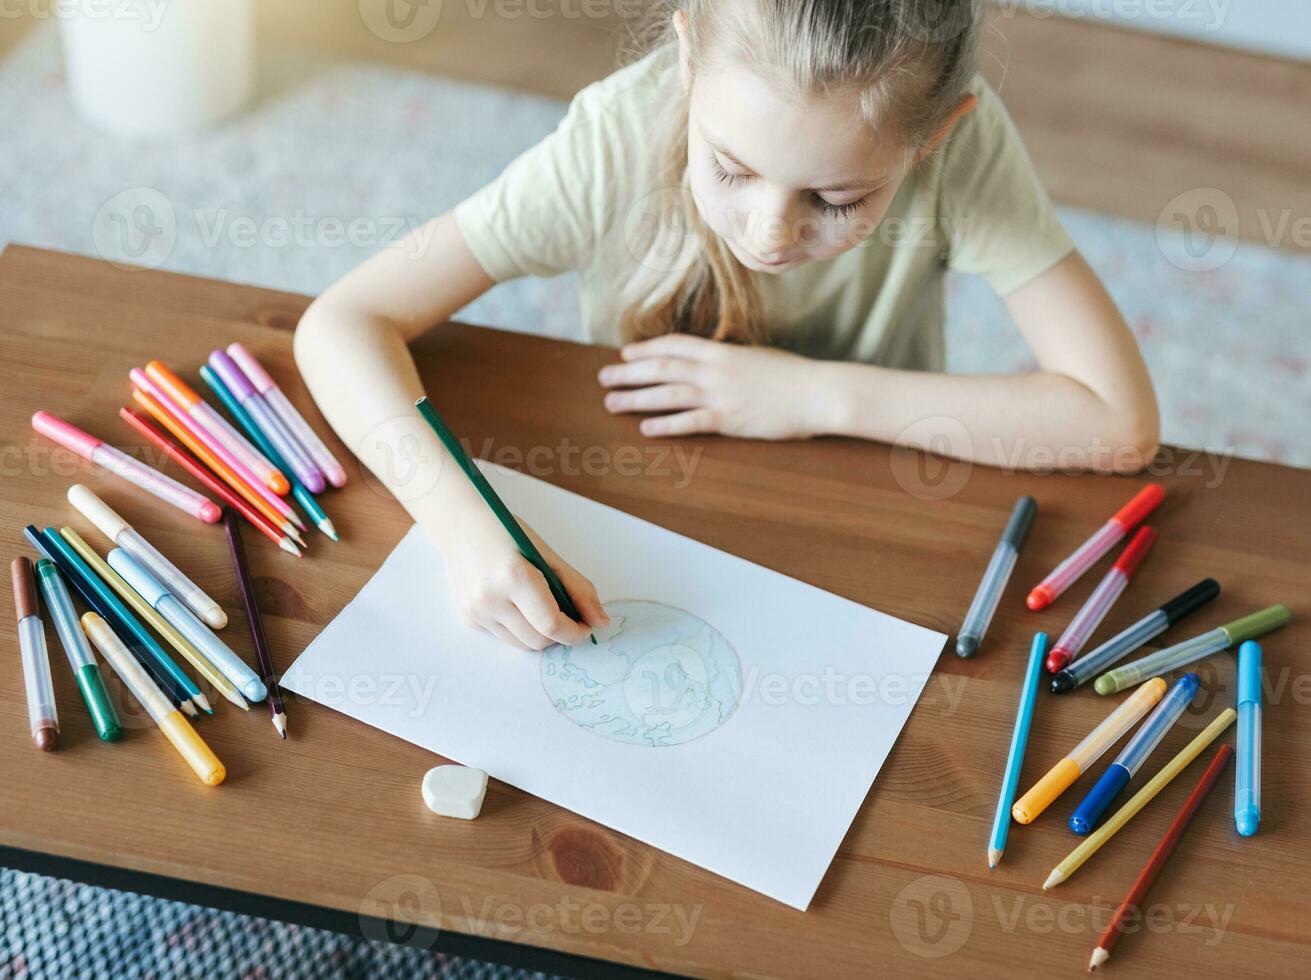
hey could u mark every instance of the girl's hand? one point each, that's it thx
(497, 589)
(698, 385)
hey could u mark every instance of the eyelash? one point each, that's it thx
(732, 180)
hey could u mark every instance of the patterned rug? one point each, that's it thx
(335, 159)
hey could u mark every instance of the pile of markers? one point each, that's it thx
(143, 611)
(1157, 705)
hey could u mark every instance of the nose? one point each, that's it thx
(773, 228)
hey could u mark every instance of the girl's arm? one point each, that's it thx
(1090, 405)
(351, 349)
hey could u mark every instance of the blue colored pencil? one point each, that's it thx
(1019, 739)
(261, 441)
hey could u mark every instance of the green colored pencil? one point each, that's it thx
(475, 475)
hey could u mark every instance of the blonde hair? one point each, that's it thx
(909, 62)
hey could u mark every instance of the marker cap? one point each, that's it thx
(1190, 600)
(252, 368)
(1249, 672)
(1144, 502)
(231, 375)
(1017, 528)
(103, 715)
(142, 582)
(1135, 551)
(1044, 791)
(1257, 624)
(95, 510)
(68, 436)
(20, 570)
(204, 763)
(175, 387)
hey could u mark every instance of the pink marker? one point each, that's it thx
(1099, 603)
(185, 421)
(266, 420)
(124, 466)
(286, 412)
(1086, 555)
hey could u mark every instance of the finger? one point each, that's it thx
(583, 593)
(504, 635)
(661, 398)
(649, 370)
(544, 615)
(681, 424)
(513, 620)
(672, 345)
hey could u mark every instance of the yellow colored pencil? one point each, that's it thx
(1075, 859)
(157, 622)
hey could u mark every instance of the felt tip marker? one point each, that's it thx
(42, 718)
(1133, 755)
(1086, 555)
(80, 659)
(1183, 654)
(1102, 599)
(995, 577)
(1247, 789)
(1062, 775)
(1122, 644)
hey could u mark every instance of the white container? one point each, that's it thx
(157, 67)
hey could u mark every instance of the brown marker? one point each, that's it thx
(41, 714)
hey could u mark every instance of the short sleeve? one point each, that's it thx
(995, 211)
(546, 213)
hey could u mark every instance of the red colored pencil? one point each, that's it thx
(247, 589)
(178, 455)
(1130, 906)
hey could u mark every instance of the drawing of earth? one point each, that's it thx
(657, 676)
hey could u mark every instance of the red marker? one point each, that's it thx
(1099, 603)
(1067, 572)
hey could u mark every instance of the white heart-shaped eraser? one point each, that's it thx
(455, 791)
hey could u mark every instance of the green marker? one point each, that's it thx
(85, 669)
(1181, 654)
(475, 475)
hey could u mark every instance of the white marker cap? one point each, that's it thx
(455, 791)
(97, 511)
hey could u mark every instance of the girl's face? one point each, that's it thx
(782, 178)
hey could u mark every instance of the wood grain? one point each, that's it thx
(333, 816)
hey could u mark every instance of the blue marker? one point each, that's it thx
(1019, 739)
(1134, 754)
(185, 622)
(1247, 790)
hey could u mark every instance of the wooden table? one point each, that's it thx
(328, 827)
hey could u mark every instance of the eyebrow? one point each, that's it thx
(846, 185)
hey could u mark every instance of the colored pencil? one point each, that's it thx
(1132, 902)
(493, 500)
(1093, 842)
(1001, 821)
(170, 421)
(247, 587)
(179, 455)
(303, 496)
(230, 465)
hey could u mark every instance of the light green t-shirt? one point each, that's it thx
(575, 202)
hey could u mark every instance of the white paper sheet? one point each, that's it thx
(760, 792)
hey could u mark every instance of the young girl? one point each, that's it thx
(761, 211)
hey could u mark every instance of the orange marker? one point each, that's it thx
(217, 426)
(202, 452)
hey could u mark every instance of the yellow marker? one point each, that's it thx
(157, 622)
(172, 722)
(1064, 773)
(1140, 799)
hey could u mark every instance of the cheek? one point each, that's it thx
(715, 200)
